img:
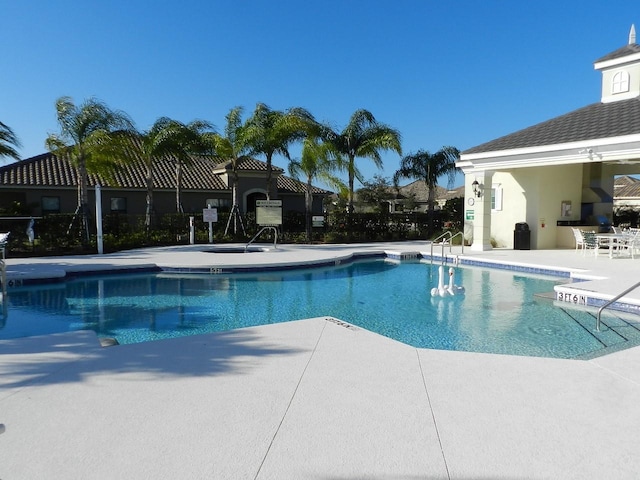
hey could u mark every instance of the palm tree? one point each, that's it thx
(318, 161)
(8, 140)
(232, 149)
(363, 137)
(83, 129)
(164, 140)
(187, 140)
(271, 131)
(429, 167)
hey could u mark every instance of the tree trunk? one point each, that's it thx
(430, 202)
(352, 172)
(83, 199)
(149, 217)
(269, 155)
(308, 200)
(179, 208)
(234, 202)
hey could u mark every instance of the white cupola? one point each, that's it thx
(621, 71)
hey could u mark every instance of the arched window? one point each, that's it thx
(620, 83)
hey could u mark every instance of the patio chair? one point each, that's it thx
(577, 234)
(589, 242)
(630, 244)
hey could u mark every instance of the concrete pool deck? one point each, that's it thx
(315, 398)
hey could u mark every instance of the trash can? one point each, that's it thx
(522, 237)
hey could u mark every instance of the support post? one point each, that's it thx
(99, 237)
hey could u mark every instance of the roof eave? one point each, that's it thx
(605, 149)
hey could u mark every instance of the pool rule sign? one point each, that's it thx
(210, 216)
(269, 212)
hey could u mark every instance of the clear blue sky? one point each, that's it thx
(454, 73)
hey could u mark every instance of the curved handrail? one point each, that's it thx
(451, 237)
(617, 297)
(268, 227)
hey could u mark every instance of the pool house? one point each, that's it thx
(559, 173)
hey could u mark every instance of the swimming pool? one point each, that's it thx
(499, 313)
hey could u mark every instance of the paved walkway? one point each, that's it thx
(312, 399)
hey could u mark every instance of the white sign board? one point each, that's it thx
(269, 212)
(269, 216)
(210, 215)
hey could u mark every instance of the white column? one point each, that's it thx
(479, 213)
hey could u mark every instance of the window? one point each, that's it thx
(218, 202)
(620, 82)
(496, 198)
(50, 204)
(118, 204)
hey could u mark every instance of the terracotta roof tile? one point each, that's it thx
(291, 185)
(48, 170)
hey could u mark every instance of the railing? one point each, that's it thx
(3, 277)
(450, 241)
(275, 237)
(617, 297)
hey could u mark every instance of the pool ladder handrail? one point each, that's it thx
(617, 297)
(3, 278)
(450, 242)
(275, 237)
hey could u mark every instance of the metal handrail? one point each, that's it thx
(617, 297)
(461, 240)
(3, 277)
(269, 227)
(451, 237)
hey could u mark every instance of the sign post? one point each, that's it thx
(210, 215)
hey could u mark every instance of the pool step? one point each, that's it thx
(617, 332)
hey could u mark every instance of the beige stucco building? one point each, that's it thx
(561, 172)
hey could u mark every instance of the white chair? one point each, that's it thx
(577, 234)
(629, 243)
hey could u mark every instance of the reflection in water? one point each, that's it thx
(496, 313)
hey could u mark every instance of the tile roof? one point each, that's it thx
(420, 191)
(291, 185)
(49, 170)
(249, 164)
(626, 187)
(599, 120)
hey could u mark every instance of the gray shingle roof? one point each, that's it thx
(599, 120)
(621, 52)
(49, 170)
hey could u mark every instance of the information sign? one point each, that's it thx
(210, 215)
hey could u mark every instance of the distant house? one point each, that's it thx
(417, 195)
(626, 193)
(47, 184)
(412, 197)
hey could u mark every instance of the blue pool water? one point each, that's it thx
(499, 313)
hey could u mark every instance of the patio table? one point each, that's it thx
(612, 240)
